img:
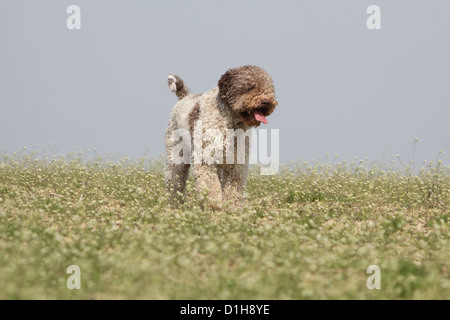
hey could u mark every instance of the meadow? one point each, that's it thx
(308, 232)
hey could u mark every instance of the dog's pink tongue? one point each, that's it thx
(259, 116)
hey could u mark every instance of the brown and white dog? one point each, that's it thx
(243, 99)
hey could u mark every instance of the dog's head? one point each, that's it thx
(250, 92)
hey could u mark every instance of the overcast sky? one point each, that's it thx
(342, 88)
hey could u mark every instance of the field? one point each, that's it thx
(308, 232)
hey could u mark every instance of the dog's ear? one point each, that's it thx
(225, 85)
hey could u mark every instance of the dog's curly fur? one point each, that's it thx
(241, 93)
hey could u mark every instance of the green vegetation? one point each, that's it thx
(309, 232)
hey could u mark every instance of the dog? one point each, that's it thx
(242, 100)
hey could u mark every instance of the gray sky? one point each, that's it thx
(342, 88)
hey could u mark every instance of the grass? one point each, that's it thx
(308, 232)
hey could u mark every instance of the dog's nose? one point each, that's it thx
(266, 102)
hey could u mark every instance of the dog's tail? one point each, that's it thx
(177, 86)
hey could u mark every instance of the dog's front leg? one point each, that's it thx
(234, 181)
(208, 186)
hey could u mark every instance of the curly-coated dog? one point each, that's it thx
(211, 123)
